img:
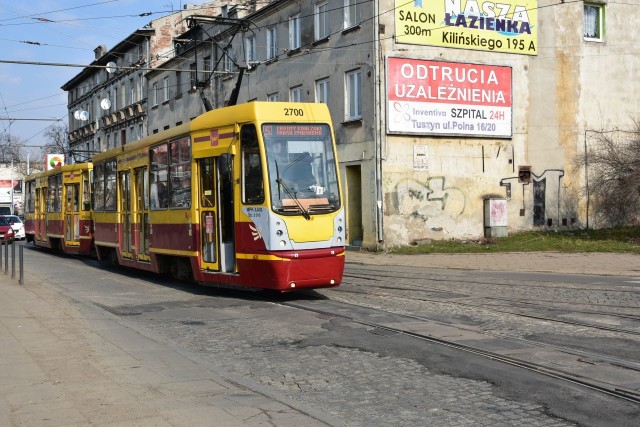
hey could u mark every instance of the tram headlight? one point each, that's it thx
(279, 233)
(339, 239)
(339, 229)
(283, 243)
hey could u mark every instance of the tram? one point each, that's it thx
(58, 209)
(247, 195)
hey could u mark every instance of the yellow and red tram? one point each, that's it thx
(247, 195)
(58, 209)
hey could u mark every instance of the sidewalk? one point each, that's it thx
(604, 264)
(67, 363)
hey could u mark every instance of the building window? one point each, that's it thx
(114, 104)
(165, 89)
(207, 67)
(353, 96)
(140, 92)
(132, 92)
(322, 91)
(178, 83)
(295, 35)
(322, 20)
(250, 49)
(272, 43)
(593, 17)
(350, 13)
(295, 94)
(193, 76)
(155, 93)
(123, 96)
(273, 97)
(227, 60)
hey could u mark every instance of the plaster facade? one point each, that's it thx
(406, 186)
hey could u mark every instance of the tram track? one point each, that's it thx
(547, 305)
(525, 315)
(383, 329)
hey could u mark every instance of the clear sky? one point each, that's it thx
(58, 32)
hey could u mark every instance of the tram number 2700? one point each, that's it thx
(298, 112)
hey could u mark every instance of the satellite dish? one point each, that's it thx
(105, 104)
(111, 67)
(84, 116)
(76, 114)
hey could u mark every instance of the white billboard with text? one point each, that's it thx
(448, 98)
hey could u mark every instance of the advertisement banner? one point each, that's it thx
(448, 98)
(53, 161)
(509, 26)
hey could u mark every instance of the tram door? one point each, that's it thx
(72, 214)
(226, 213)
(217, 221)
(125, 214)
(209, 213)
(140, 208)
(41, 209)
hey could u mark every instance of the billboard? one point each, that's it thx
(448, 98)
(53, 161)
(509, 26)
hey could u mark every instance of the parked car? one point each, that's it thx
(6, 230)
(17, 225)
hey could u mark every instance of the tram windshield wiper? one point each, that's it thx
(293, 197)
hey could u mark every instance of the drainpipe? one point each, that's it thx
(377, 121)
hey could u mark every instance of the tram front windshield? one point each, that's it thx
(303, 175)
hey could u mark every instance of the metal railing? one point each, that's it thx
(5, 248)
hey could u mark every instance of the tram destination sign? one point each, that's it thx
(448, 98)
(289, 130)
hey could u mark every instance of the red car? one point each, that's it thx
(6, 231)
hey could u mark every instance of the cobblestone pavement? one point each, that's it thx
(340, 368)
(363, 388)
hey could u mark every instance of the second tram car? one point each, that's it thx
(247, 195)
(58, 209)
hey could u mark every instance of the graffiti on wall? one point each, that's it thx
(426, 199)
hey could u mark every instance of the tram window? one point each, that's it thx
(180, 173)
(253, 188)
(158, 176)
(69, 195)
(207, 182)
(53, 201)
(30, 196)
(98, 187)
(85, 194)
(110, 176)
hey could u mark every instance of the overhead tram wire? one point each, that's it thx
(61, 10)
(282, 55)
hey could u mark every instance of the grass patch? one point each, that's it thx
(622, 239)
